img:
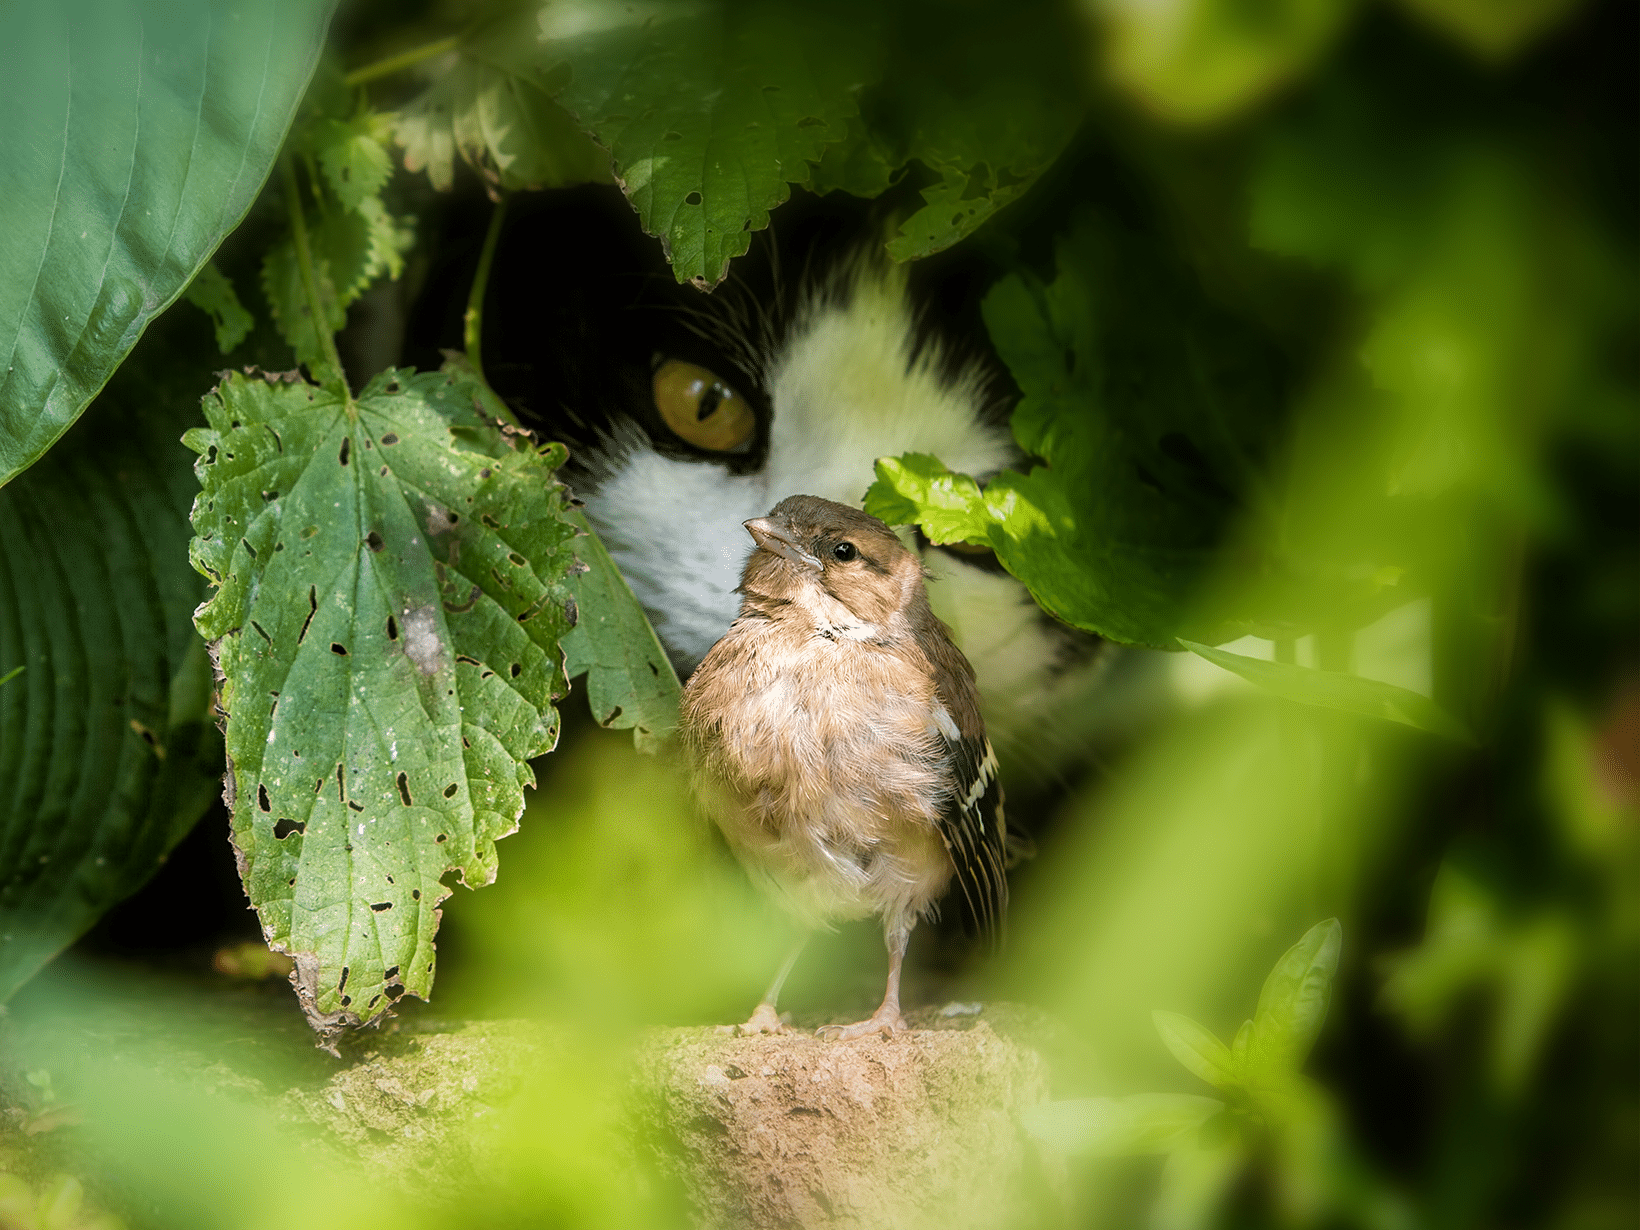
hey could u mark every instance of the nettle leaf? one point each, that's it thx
(1197, 1049)
(1336, 690)
(711, 111)
(1293, 1003)
(391, 593)
(212, 293)
(109, 750)
(354, 156)
(1152, 413)
(492, 107)
(1120, 1127)
(137, 135)
(353, 238)
(630, 681)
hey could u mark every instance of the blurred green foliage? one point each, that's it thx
(1323, 314)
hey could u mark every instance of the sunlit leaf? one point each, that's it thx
(1293, 1003)
(137, 134)
(1120, 1127)
(629, 680)
(390, 596)
(109, 750)
(492, 107)
(1197, 1049)
(1197, 61)
(1493, 29)
(353, 154)
(1148, 410)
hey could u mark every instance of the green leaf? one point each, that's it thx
(353, 155)
(1336, 690)
(1204, 61)
(1493, 29)
(1293, 1003)
(491, 110)
(1152, 413)
(984, 97)
(109, 750)
(1197, 1049)
(1195, 1183)
(288, 302)
(630, 682)
(1120, 1127)
(212, 293)
(711, 110)
(390, 597)
(137, 135)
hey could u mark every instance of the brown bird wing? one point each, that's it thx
(974, 830)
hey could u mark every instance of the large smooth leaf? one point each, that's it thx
(629, 680)
(391, 594)
(1196, 1048)
(1152, 412)
(109, 751)
(137, 133)
(1336, 690)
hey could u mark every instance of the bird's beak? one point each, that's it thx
(772, 537)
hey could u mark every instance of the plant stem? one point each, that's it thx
(473, 322)
(304, 266)
(405, 59)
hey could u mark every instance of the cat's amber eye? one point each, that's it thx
(702, 408)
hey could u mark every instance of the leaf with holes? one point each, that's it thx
(391, 593)
(711, 111)
(109, 750)
(136, 136)
(630, 682)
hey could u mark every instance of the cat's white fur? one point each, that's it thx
(847, 387)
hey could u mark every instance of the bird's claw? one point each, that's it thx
(878, 1023)
(764, 1020)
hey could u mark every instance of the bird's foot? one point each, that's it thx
(764, 1020)
(885, 1021)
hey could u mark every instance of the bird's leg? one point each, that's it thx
(887, 1019)
(765, 1019)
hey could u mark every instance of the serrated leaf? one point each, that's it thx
(488, 109)
(212, 293)
(358, 246)
(109, 750)
(1152, 412)
(1336, 690)
(1293, 1003)
(137, 135)
(1120, 1127)
(711, 111)
(353, 155)
(629, 680)
(860, 164)
(288, 302)
(390, 598)
(1198, 1050)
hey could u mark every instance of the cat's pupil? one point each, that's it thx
(709, 402)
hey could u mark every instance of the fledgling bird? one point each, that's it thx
(834, 735)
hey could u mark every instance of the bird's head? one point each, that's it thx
(815, 553)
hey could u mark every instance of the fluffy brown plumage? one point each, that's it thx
(835, 737)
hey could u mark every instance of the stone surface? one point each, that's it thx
(921, 1130)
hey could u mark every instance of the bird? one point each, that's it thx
(834, 735)
(688, 414)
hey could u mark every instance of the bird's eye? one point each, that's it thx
(703, 409)
(844, 551)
